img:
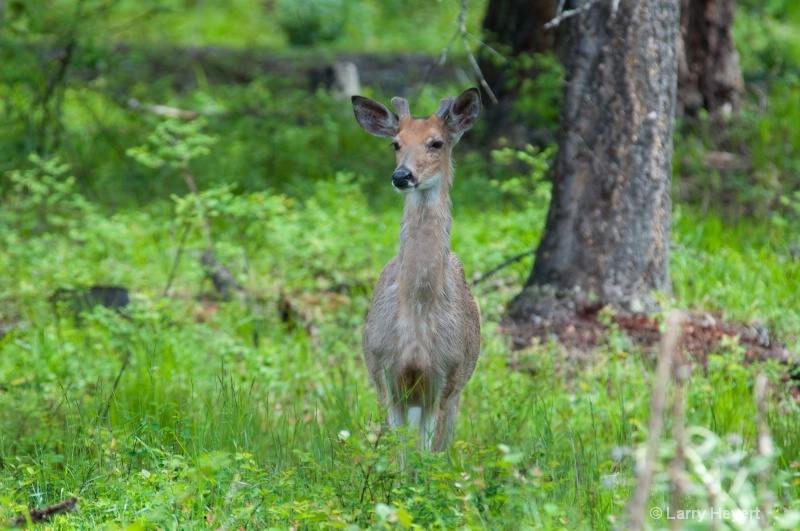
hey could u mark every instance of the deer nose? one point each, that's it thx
(402, 178)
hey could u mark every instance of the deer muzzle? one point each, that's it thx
(402, 178)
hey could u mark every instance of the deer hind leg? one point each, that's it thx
(429, 425)
(447, 413)
(395, 406)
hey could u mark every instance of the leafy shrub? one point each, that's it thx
(767, 37)
(309, 22)
(540, 95)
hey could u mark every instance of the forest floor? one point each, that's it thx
(703, 333)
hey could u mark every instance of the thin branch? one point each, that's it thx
(560, 7)
(478, 71)
(177, 260)
(162, 110)
(505, 264)
(446, 50)
(487, 47)
(569, 13)
(192, 186)
(677, 477)
(766, 448)
(465, 36)
(104, 409)
(472, 60)
(669, 346)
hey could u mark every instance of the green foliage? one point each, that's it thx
(188, 412)
(530, 191)
(767, 37)
(174, 143)
(204, 427)
(743, 165)
(311, 22)
(734, 482)
(757, 176)
(705, 243)
(541, 90)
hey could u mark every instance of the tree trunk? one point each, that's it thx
(709, 76)
(608, 228)
(514, 28)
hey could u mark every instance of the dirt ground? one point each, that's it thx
(702, 335)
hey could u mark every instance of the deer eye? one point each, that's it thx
(395, 145)
(437, 144)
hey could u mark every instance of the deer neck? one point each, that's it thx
(425, 246)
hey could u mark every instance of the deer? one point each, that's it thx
(421, 339)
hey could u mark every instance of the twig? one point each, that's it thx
(177, 260)
(669, 346)
(681, 372)
(505, 264)
(487, 47)
(765, 446)
(463, 29)
(162, 110)
(569, 13)
(103, 413)
(560, 8)
(37, 516)
(462, 32)
(446, 50)
(221, 276)
(192, 186)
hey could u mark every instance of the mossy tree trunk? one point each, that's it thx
(709, 75)
(608, 229)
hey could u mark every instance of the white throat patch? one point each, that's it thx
(428, 191)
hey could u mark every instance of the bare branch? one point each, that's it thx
(560, 8)
(443, 55)
(478, 72)
(487, 47)
(505, 264)
(669, 346)
(162, 110)
(677, 477)
(177, 259)
(106, 408)
(564, 15)
(766, 448)
(465, 36)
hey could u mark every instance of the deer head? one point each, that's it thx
(422, 145)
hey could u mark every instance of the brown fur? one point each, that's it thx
(422, 336)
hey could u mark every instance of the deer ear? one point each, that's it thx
(374, 117)
(464, 111)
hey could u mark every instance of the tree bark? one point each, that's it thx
(709, 75)
(608, 229)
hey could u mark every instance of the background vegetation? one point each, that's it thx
(192, 412)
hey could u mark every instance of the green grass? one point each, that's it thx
(206, 429)
(744, 270)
